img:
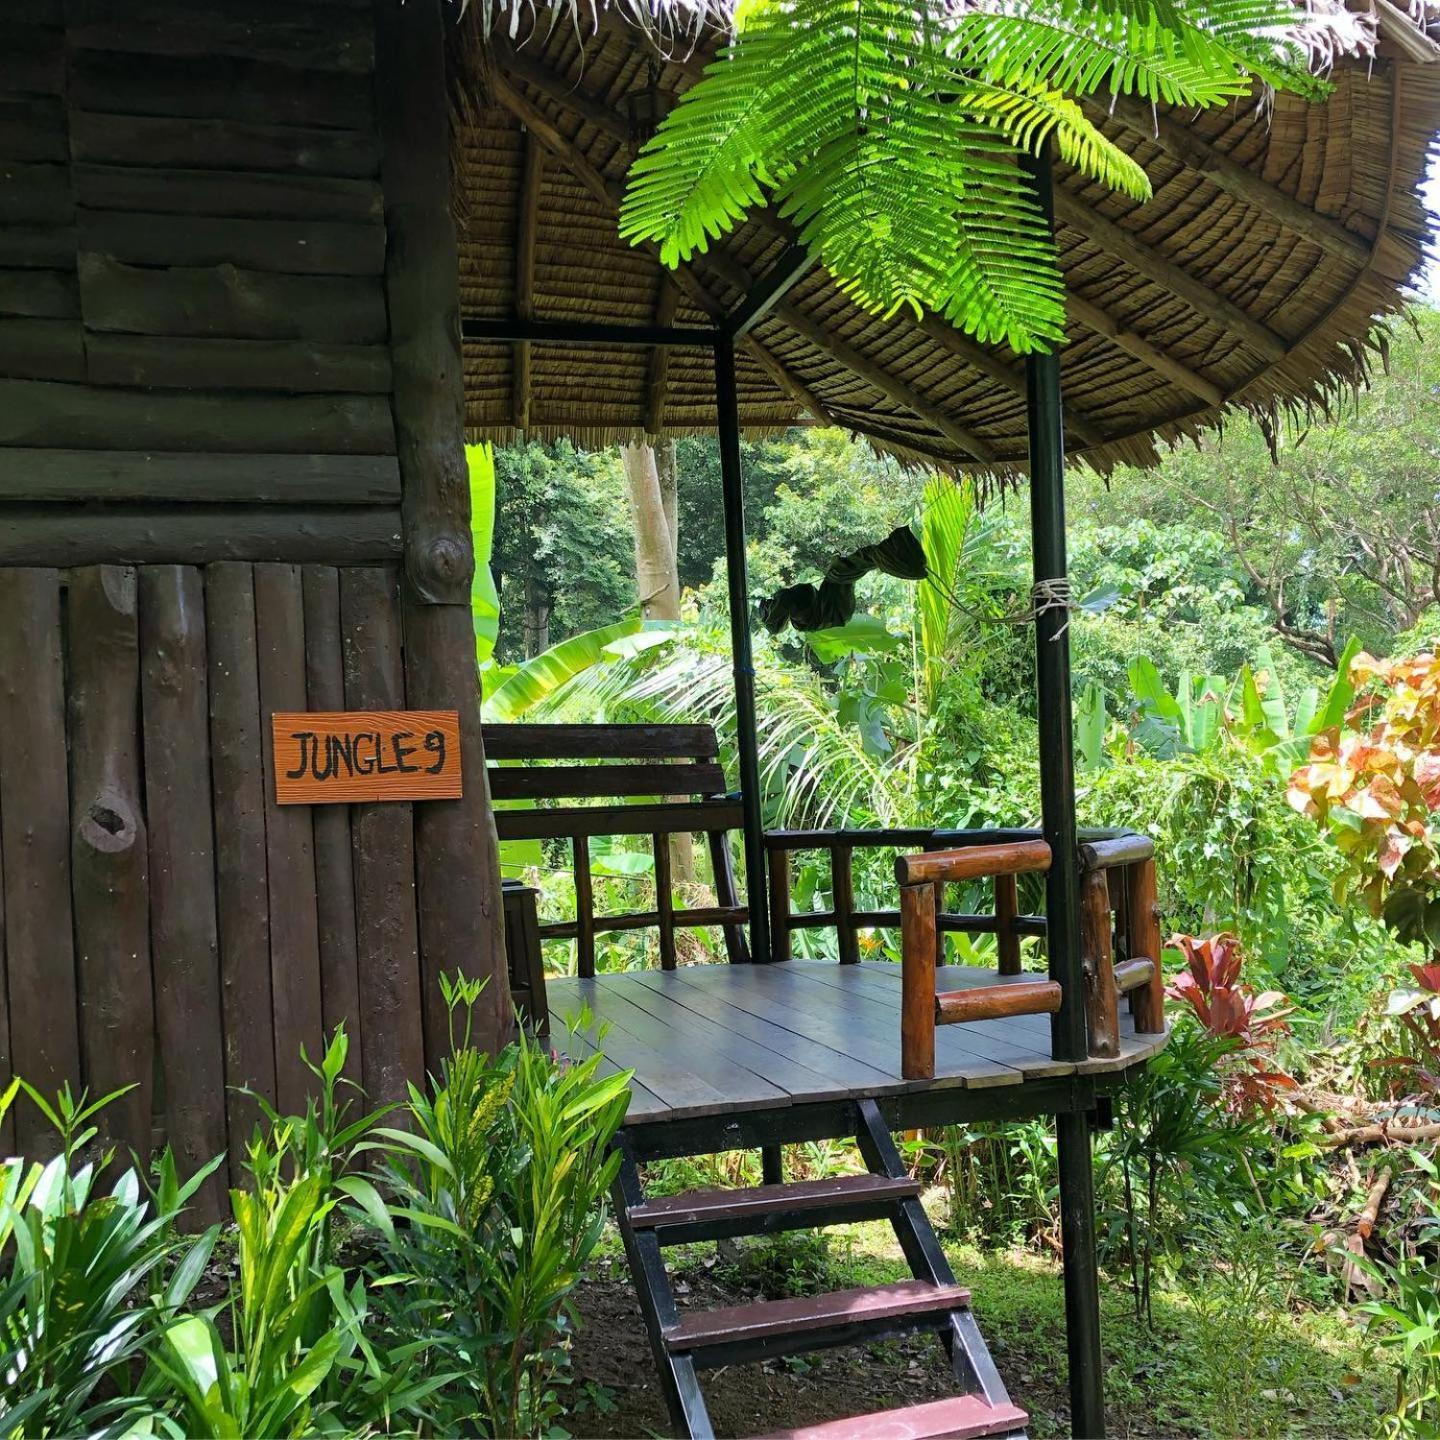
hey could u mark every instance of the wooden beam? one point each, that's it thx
(610, 193)
(771, 288)
(526, 231)
(1161, 361)
(518, 65)
(876, 376)
(963, 348)
(1181, 143)
(1119, 242)
(587, 332)
(143, 534)
(456, 866)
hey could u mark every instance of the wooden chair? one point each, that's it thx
(658, 780)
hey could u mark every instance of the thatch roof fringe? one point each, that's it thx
(1252, 281)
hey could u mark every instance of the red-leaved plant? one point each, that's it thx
(1418, 1008)
(1227, 1007)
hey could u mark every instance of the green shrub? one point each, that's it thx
(499, 1183)
(82, 1296)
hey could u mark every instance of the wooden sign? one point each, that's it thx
(357, 755)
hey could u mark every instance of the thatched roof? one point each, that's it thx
(1252, 278)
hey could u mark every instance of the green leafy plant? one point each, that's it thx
(1407, 1314)
(91, 1277)
(499, 1183)
(298, 1359)
(1176, 1146)
(895, 158)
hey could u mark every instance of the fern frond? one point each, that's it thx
(889, 131)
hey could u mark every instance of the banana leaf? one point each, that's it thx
(540, 677)
(484, 597)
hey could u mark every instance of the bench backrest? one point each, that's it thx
(675, 767)
(588, 762)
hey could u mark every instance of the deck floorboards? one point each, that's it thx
(709, 1039)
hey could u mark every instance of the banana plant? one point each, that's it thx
(1204, 712)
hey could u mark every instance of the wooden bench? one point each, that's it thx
(658, 780)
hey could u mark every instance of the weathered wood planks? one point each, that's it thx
(189, 476)
(194, 534)
(185, 951)
(109, 855)
(289, 842)
(710, 1039)
(241, 871)
(334, 868)
(382, 838)
(35, 838)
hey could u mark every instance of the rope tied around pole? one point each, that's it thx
(1052, 594)
(1046, 595)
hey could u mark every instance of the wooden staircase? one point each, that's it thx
(686, 1344)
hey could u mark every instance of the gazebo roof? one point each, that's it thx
(1251, 279)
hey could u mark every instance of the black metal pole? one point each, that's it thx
(732, 484)
(1062, 890)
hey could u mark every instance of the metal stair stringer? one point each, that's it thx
(684, 1344)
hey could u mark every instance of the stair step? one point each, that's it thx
(709, 1214)
(869, 1307)
(958, 1417)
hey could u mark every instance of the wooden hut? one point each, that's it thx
(232, 399)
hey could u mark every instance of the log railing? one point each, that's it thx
(1119, 916)
(1006, 923)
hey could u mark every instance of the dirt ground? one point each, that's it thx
(617, 1395)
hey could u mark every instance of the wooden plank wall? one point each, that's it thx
(166, 925)
(200, 524)
(193, 327)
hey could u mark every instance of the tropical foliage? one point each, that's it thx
(896, 160)
(437, 1309)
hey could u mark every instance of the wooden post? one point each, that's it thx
(183, 924)
(727, 892)
(334, 865)
(289, 844)
(779, 864)
(732, 484)
(842, 892)
(108, 860)
(917, 981)
(664, 901)
(382, 841)
(1143, 910)
(1102, 1000)
(457, 854)
(34, 817)
(1007, 907)
(1046, 427)
(243, 911)
(584, 909)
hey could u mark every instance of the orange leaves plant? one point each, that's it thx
(1374, 784)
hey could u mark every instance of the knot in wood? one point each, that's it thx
(443, 563)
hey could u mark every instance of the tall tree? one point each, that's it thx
(650, 486)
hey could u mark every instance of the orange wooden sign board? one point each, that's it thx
(344, 756)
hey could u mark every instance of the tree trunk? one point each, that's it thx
(536, 620)
(650, 483)
(656, 578)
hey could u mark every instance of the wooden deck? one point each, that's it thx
(707, 1040)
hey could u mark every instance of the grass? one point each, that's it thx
(1230, 1355)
